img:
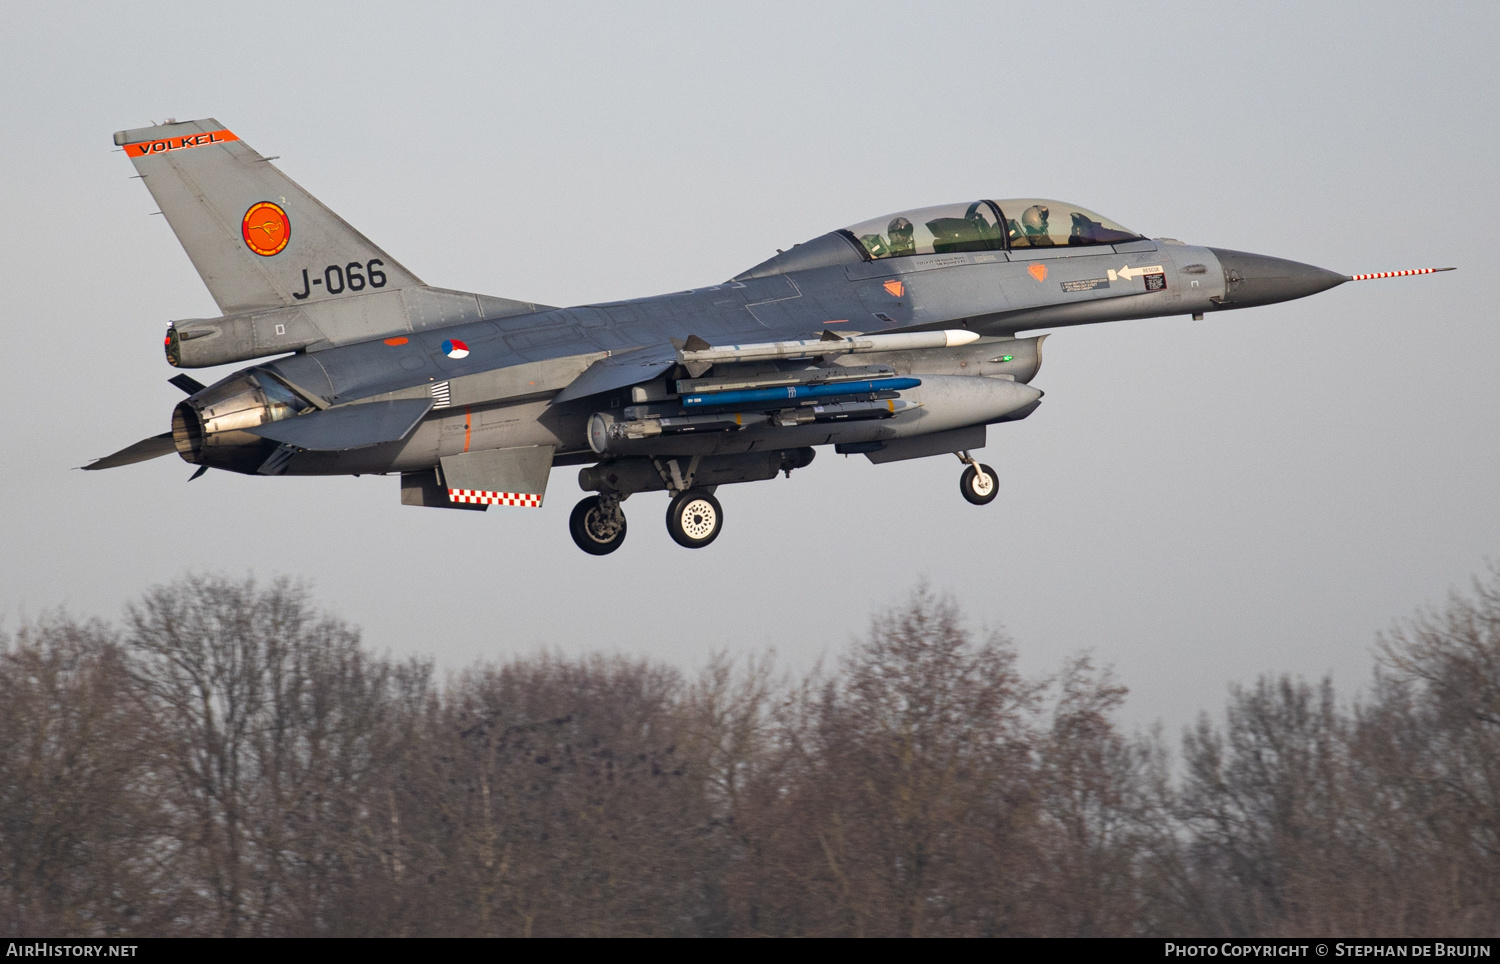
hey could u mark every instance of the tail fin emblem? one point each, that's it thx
(266, 229)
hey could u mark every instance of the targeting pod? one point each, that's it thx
(604, 429)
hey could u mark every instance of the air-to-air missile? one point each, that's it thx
(896, 338)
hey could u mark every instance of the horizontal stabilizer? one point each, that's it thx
(349, 427)
(619, 371)
(147, 448)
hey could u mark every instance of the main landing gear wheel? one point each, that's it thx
(978, 484)
(598, 529)
(694, 519)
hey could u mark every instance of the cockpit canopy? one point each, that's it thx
(986, 226)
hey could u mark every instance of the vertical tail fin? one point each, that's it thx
(257, 239)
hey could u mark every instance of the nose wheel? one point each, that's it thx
(598, 525)
(978, 483)
(694, 518)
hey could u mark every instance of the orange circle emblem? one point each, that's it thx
(266, 229)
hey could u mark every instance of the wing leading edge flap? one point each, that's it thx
(348, 427)
(618, 371)
(513, 476)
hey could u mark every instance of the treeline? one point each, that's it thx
(229, 761)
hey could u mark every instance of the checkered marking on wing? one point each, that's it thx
(530, 500)
(441, 395)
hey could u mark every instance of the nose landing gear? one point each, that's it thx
(978, 483)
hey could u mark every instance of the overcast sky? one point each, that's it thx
(1196, 502)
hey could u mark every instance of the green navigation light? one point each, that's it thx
(1007, 357)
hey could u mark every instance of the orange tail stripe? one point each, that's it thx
(142, 148)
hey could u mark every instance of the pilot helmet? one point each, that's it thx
(1034, 219)
(899, 226)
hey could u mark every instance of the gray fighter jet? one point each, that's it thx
(895, 338)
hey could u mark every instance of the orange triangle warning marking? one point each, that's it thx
(1037, 271)
(896, 288)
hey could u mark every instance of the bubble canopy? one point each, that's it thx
(986, 226)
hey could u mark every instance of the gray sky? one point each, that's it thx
(1197, 502)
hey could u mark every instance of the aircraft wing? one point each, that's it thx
(349, 427)
(618, 371)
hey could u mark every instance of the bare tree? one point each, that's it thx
(234, 762)
(1104, 828)
(1430, 741)
(272, 730)
(74, 790)
(905, 796)
(565, 805)
(1268, 802)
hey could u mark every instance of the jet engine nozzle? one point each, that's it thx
(1255, 279)
(209, 427)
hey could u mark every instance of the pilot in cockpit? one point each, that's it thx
(902, 240)
(1034, 226)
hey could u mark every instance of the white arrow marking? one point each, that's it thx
(1130, 274)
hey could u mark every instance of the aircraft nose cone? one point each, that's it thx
(1255, 279)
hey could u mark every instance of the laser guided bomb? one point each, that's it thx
(894, 338)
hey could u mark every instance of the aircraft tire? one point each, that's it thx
(979, 484)
(694, 519)
(594, 534)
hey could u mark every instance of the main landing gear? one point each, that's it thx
(598, 525)
(694, 519)
(978, 481)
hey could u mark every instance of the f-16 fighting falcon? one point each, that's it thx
(895, 338)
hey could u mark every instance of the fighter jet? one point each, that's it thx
(900, 337)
